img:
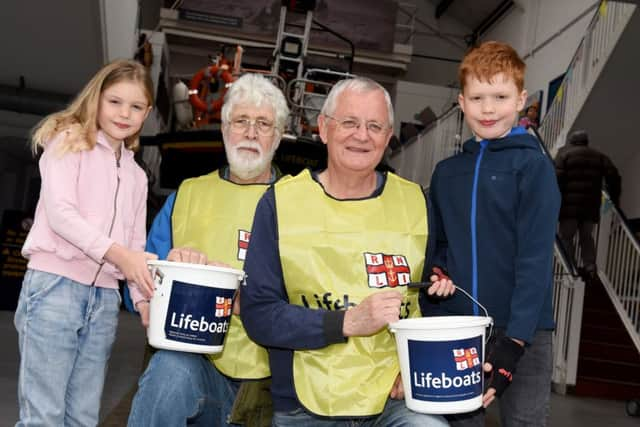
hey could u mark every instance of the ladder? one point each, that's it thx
(286, 41)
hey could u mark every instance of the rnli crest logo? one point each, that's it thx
(223, 306)
(387, 270)
(243, 243)
(466, 358)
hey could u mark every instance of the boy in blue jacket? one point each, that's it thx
(496, 206)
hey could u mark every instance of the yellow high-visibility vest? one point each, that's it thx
(334, 254)
(214, 215)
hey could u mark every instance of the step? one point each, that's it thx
(593, 387)
(613, 335)
(597, 299)
(595, 289)
(602, 300)
(618, 352)
(601, 317)
(608, 370)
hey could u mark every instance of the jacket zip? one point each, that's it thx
(113, 218)
(474, 232)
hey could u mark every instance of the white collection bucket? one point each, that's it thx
(441, 362)
(191, 306)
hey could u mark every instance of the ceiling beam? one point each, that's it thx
(442, 7)
(488, 22)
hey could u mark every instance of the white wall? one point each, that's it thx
(411, 98)
(526, 27)
(531, 24)
(630, 172)
(119, 26)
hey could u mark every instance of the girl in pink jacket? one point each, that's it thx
(88, 232)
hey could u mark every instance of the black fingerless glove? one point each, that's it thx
(503, 355)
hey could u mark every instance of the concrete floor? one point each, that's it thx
(126, 365)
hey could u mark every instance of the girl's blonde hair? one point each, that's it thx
(80, 119)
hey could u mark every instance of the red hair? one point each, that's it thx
(483, 62)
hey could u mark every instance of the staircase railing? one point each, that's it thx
(417, 158)
(568, 304)
(568, 298)
(601, 36)
(618, 260)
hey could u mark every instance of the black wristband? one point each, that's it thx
(503, 354)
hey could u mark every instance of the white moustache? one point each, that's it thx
(251, 145)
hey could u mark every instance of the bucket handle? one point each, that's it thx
(486, 313)
(156, 273)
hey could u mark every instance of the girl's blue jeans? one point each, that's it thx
(65, 331)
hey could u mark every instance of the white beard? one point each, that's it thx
(247, 165)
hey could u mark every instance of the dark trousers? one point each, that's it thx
(526, 402)
(567, 230)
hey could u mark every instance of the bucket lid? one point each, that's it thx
(440, 322)
(189, 266)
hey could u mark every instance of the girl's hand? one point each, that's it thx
(133, 265)
(135, 270)
(143, 309)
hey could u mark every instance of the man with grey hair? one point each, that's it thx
(323, 285)
(209, 219)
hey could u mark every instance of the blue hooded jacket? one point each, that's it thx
(495, 209)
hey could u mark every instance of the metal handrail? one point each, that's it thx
(416, 159)
(601, 36)
(618, 261)
(431, 125)
(618, 251)
(306, 104)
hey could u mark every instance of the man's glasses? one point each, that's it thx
(349, 124)
(262, 127)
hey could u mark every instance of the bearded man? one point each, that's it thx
(210, 218)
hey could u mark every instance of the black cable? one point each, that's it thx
(437, 58)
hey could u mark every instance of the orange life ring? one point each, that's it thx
(199, 97)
